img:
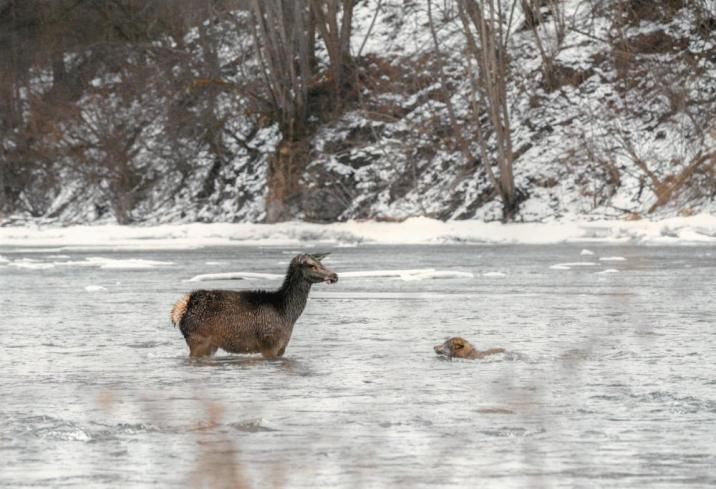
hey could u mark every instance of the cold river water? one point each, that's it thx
(609, 379)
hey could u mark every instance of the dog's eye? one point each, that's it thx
(457, 346)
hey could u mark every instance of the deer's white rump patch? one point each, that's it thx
(179, 309)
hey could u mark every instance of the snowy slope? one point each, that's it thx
(573, 142)
(629, 113)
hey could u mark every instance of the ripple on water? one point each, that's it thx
(683, 404)
(57, 429)
(494, 410)
(242, 362)
(252, 426)
(511, 432)
(377, 403)
(149, 344)
(122, 430)
(50, 428)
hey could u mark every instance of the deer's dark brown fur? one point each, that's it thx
(457, 347)
(249, 321)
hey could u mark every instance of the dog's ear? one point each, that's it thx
(319, 256)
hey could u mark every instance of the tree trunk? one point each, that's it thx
(484, 28)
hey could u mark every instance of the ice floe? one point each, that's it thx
(608, 270)
(406, 275)
(612, 258)
(567, 266)
(206, 277)
(95, 288)
(586, 252)
(30, 264)
(114, 263)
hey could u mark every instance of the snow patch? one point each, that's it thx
(612, 258)
(586, 253)
(700, 229)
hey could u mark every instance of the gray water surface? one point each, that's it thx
(609, 380)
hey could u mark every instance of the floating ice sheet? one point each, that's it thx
(114, 264)
(95, 288)
(407, 275)
(206, 277)
(31, 264)
(570, 265)
(410, 274)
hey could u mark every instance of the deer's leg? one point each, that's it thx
(201, 346)
(268, 353)
(273, 352)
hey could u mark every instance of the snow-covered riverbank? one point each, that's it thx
(700, 229)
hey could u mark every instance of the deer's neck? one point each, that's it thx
(294, 294)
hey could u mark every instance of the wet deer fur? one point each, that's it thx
(249, 321)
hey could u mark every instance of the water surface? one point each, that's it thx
(609, 380)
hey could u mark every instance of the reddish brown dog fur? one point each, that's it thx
(457, 347)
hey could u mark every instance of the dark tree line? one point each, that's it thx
(52, 53)
(67, 44)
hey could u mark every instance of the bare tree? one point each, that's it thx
(283, 36)
(548, 46)
(486, 25)
(336, 36)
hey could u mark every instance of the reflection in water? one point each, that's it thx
(282, 364)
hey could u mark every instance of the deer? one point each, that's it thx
(249, 321)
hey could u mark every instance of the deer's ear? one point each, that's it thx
(320, 256)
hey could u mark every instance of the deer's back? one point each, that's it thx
(236, 321)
